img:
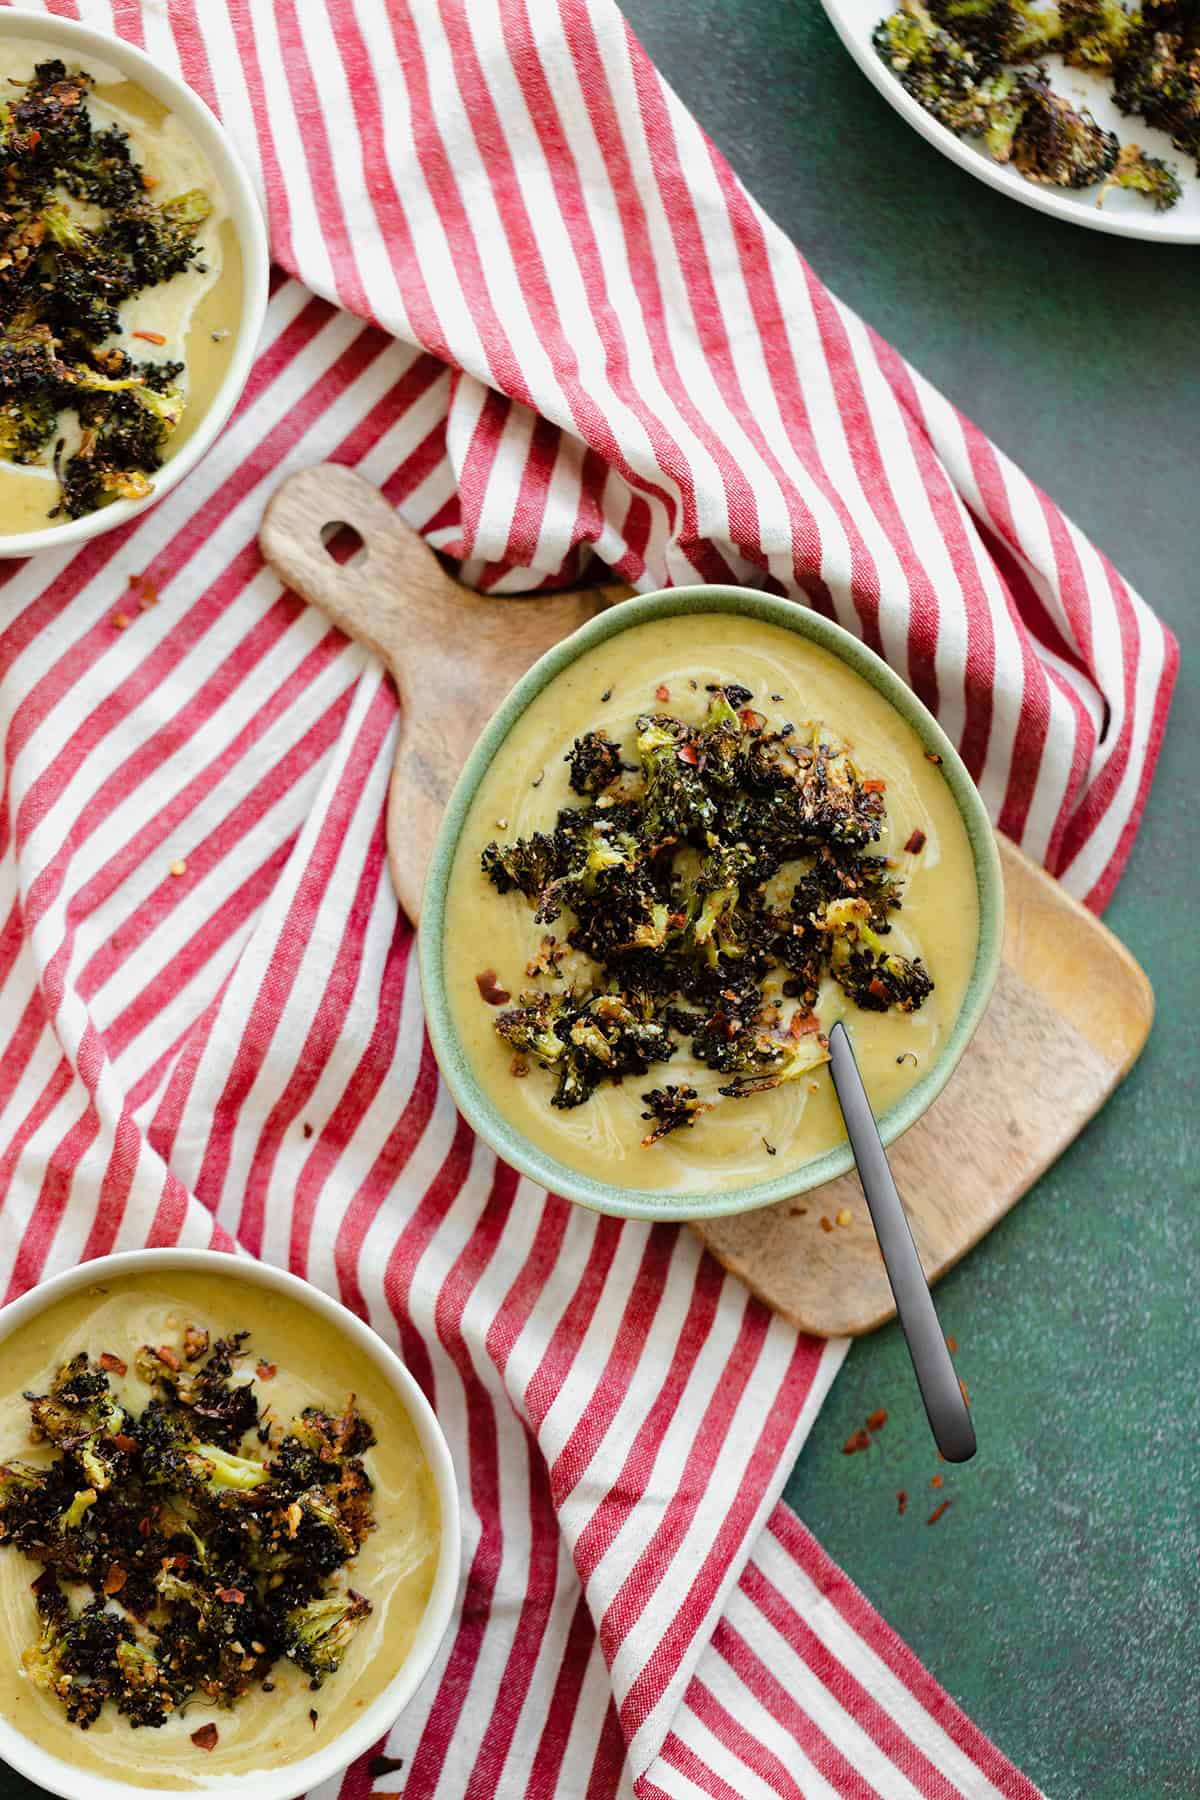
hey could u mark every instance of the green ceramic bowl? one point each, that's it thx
(475, 1106)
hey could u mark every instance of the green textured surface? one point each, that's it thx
(1057, 1599)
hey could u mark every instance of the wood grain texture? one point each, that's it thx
(1071, 1010)
(453, 654)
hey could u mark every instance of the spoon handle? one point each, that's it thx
(949, 1417)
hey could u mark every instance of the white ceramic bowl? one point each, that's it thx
(298, 1777)
(75, 44)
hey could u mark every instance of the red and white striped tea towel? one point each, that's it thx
(585, 338)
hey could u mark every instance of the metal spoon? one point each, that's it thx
(949, 1418)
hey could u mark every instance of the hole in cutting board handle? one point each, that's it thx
(344, 543)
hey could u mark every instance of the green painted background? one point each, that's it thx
(1057, 1599)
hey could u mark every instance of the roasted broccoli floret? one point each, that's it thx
(221, 1410)
(529, 864)
(999, 30)
(676, 804)
(765, 1060)
(1144, 174)
(1058, 144)
(931, 64)
(1096, 34)
(80, 1416)
(874, 976)
(316, 1637)
(171, 1456)
(671, 1109)
(1159, 77)
(595, 763)
(75, 1658)
(152, 243)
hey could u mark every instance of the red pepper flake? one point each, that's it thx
(937, 1512)
(266, 1371)
(34, 138)
(966, 1397)
(307, 1129)
(195, 1343)
(878, 1419)
(149, 337)
(206, 1737)
(933, 757)
(124, 1443)
(490, 989)
(901, 1502)
(826, 1224)
(121, 621)
(662, 692)
(231, 1596)
(875, 785)
(751, 720)
(876, 987)
(165, 1354)
(113, 1365)
(114, 1581)
(952, 1345)
(145, 1526)
(859, 1440)
(800, 1024)
(915, 842)
(690, 755)
(936, 1481)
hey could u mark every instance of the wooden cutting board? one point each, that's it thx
(1071, 1010)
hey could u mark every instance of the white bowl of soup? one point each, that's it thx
(303, 1350)
(207, 317)
(481, 950)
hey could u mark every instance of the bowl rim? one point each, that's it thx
(480, 1112)
(72, 1783)
(246, 216)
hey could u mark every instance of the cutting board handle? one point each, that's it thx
(396, 582)
(452, 653)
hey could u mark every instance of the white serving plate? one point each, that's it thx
(1123, 214)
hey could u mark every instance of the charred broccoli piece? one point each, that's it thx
(874, 976)
(675, 804)
(1097, 34)
(999, 30)
(102, 170)
(75, 1658)
(529, 865)
(1159, 77)
(1144, 174)
(765, 1060)
(228, 1620)
(940, 73)
(48, 123)
(220, 1408)
(316, 1637)
(151, 243)
(80, 1416)
(539, 1026)
(171, 1456)
(595, 763)
(1058, 144)
(671, 1109)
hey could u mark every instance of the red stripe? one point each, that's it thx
(839, 1679)
(839, 1592)
(693, 1608)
